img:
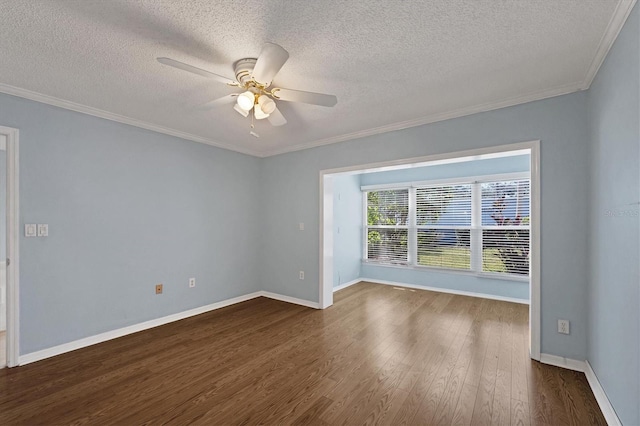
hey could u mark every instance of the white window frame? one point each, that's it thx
(475, 229)
(366, 226)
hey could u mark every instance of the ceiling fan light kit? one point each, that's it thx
(267, 104)
(241, 111)
(259, 113)
(254, 77)
(246, 100)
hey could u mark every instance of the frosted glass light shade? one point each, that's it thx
(246, 100)
(240, 110)
(267, 104)
(259, 113)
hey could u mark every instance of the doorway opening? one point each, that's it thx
(331, 250)
(3, 251)
(9, 234)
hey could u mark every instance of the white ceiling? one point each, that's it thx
(392, 64)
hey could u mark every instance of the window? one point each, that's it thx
(443, 226)
(481, 227)
(505, 227)
(387, 226)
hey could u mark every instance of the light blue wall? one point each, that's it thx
(127, 208)
(347, 229)
(290, 181)
(451, 281)
(614, 224)
(517, 163)
(441, 279)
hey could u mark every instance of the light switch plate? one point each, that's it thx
(30, 230)
(43, 230)
(301, 226)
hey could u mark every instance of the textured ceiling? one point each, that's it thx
(392, 64)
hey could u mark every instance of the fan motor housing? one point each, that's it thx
(243, 69)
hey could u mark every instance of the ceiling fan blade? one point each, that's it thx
(271, 59)
(225, 100)
(304, 97)
(195, 70)
(276, 118)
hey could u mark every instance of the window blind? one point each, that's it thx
(505, 227)
(443, 223)
(387, 226)
(481, 226)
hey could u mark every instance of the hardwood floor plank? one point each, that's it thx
(502, 393)
(483, 407)
(442, 340)
(379, 355)
(311, 416)
(386, 409)
(435, 406)
(464, 408)
(519, 413)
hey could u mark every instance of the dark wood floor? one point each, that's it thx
(380, 355)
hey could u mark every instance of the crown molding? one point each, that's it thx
(73, 106)
(619, 17)
(84, 109)
(489, 106)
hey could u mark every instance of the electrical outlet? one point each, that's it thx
(158, 288)
(192, 282)
(563, 326)
(302, 275)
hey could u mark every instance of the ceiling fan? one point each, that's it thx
(254, 77)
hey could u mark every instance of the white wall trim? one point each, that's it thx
(326, 219)
(13, 242)
(434, 118)
(516, 148)
(73, 106)
(447, 290)
(535, 300)
(562, 362)
(289, 299)
(620, 15)
(347, 284)
(325, 224)
(601, 397)
(584, 367)
(114, 334)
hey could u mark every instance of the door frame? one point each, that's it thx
(13, 240)
(326, 224)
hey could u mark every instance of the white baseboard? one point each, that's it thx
(601, 397)
(290, 299)
(583, 366)
(562, 362)
(113, 334)
(348, 284)
(447, 290)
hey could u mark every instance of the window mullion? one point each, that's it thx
(365, 221)
(476, 227)
(411, 222)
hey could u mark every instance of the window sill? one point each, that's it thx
(483, 275)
